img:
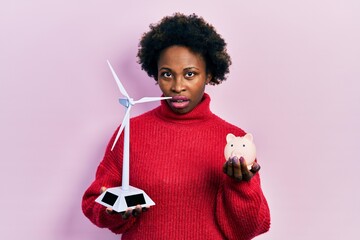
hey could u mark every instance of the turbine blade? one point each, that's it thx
(123, 125)
(150, 99)
(121, 87)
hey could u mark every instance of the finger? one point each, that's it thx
(255, 167)
(237, 169)
(145, 209)
(225, 166)
(229, 169)
(125, 215)
(247, 175)
(110, 211)
(102, 189)
(136, 211)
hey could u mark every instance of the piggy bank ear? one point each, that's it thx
(249, 137)
(230, 137)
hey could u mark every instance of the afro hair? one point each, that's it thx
(190, 31)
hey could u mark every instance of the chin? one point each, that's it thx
(181, 110)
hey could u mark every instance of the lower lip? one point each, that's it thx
(179, 105)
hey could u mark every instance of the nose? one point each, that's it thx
(178, 85)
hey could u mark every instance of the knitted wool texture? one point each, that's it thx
(177, 160)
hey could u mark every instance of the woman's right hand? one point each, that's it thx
(129, 212)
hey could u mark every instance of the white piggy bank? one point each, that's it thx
(240, 147)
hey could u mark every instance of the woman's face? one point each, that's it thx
(182, 76)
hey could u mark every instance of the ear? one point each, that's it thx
(208, 78)
(230, 137)
(249, 137)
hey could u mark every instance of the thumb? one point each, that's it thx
(102, 189)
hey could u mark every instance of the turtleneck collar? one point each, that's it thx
(200, 113)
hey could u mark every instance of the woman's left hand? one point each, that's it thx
(237, 168)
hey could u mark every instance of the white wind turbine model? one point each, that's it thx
(126, 196)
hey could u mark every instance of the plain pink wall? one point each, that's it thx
(294, 84)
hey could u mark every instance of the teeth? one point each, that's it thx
(179, 100)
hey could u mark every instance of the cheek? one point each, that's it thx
(200, 87)
(161, 84)
(164, 86)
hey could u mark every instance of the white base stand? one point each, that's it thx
(120, 200)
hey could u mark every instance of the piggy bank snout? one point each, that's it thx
(236, 152)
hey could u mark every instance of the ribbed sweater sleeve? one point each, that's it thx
(242, 211)
(107, 175)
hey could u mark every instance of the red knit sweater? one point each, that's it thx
(177, 160)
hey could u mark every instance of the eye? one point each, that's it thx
(231, 145)
(166, 74)
(243, 145)
(190, 74)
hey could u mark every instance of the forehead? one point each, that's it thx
(180, 57)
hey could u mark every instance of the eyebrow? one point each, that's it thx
(165, 68)
(187, 68)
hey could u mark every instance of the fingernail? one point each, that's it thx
(242, 160)
(255, 167)
(235, 160)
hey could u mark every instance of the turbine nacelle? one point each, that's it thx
(126, 102)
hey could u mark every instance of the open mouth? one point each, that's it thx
(179, 102)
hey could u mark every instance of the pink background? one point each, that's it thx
(294, 84)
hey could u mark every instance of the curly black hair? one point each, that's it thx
(190, 31)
